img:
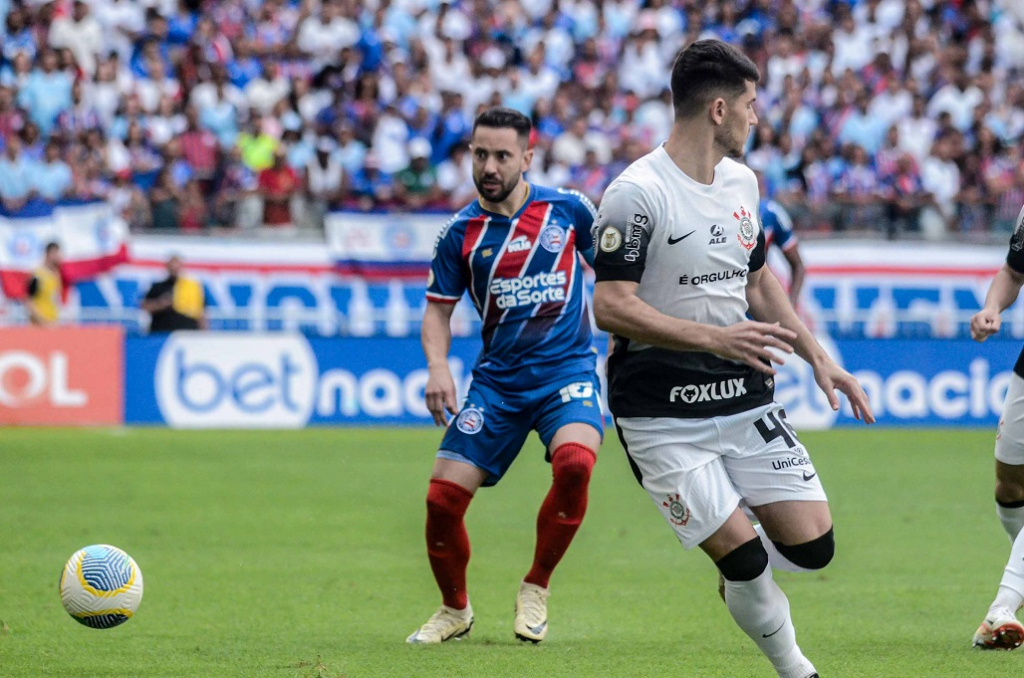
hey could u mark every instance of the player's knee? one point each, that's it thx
(744, 563)
(812, 555)
(1009, 493)
(572, 464)
(447, 499)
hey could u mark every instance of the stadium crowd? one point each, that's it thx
(893, 115)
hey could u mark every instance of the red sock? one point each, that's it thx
(562, 511)
(447, 541)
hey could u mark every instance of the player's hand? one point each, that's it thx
(749, 341)
(984, 324)
(831, 377)
(440, 394)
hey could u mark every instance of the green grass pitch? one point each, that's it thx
(300, 554)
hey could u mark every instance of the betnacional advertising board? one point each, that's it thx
(284, 380)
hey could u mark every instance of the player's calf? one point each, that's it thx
(761, 609)
(563, 509)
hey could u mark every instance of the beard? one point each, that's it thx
(729, 140)
(492, 194)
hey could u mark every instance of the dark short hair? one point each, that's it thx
(505, 118)
(706, 70)
(51, 246)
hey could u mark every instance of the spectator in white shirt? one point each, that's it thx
(450, 70)
(570, 148)
(266, 91)
(852, 47)
(959, 98)
(324, 178)
(81, 33)
(390, 141)
(785, 61)
(121, 21)
(892, 104)
(539, 81)
(455, 177)
(917, 131)
(940, 177)
(324, 35)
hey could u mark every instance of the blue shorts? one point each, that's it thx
(492, 426)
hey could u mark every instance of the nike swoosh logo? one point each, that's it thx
(809, 476)
(769, 635)
(673, 241)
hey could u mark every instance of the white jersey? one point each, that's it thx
(690, 246)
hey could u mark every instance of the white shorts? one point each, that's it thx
(698, 471)
(1010, 437)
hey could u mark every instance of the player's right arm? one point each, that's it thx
(1004, 289)
(445, 286)
(622, 231)
(436, 335)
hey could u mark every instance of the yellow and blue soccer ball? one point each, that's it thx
(101, 586)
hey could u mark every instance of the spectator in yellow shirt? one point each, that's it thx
(176, 303)
(46, 289)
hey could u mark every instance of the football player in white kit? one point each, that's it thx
(1000, 630)
(680, 264)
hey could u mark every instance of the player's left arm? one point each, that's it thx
(768, 303)
(584, 214)
(797, 271)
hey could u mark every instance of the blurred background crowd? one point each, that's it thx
(891, 116)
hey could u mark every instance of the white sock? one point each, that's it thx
(761, 609)
(1011, 587)
(776, 559)
(1011, 518)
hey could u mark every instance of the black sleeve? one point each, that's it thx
(156, 291)
(622, 232)
(1015, 257)
(33, 287)
(757, 254)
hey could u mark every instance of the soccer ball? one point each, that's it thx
(101, 586)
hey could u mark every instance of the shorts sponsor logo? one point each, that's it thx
(576, 391)
(791, 462)
(611, 239)
(519, 244)
(700, 393)
(552, 238)
(747, 235)
(717, 235)
(677, 512)
(470, 420)
(717, 276)
(541, 288)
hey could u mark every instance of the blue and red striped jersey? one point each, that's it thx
(525, 280)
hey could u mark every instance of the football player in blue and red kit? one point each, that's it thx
(514, 249)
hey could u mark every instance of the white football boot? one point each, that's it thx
(531, 613)
(999, 631)
(445, 624)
